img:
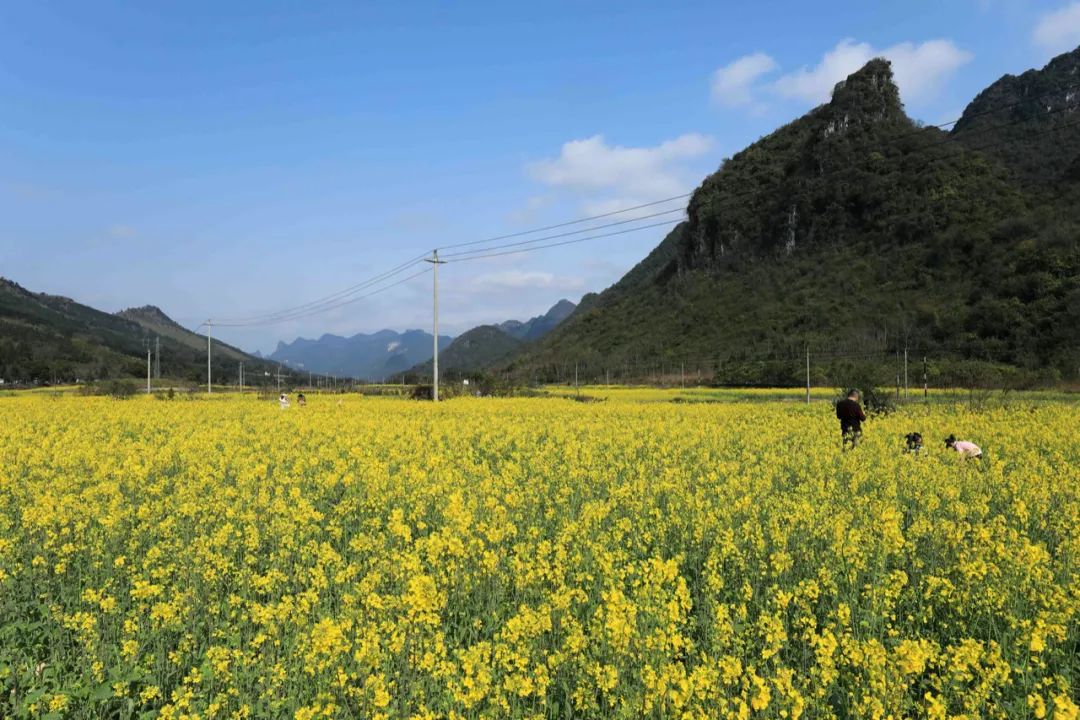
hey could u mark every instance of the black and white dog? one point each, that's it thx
(914, 443)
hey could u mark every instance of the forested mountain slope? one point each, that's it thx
(853, 230)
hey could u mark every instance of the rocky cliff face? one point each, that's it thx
(1025, 121)
(765, 198)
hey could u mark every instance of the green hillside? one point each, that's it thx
(52, 339)
(473, 351)
(852, 230)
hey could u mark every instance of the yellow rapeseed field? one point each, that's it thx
(534, 558)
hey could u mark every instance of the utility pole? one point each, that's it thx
(148, 367)
(925, 386)
(241, 377)
(209, 326)
(807, 374)
(897, 373)
(435, 263)
(682, 374)
(907, 392)
(279, 378)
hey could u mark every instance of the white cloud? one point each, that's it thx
(732, 85)
(919, 69)
(520, 279)
(1059, 31)
(593, 165)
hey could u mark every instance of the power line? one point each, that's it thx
(286, 313)
(568, 222)
(320, 310)
(564, 242)
(339, 298)
(480, 253)
(566, 234)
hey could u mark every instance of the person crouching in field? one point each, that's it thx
(964, 448)
(851, 416)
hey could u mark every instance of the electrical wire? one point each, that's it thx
(319, 311)
(374, 280)
(566, 234)
(344, 296)
(498, 250)
(565, 242)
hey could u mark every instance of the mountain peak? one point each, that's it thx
(148, 315)
(869, 92)
(560, 311)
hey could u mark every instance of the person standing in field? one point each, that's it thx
(851, 416)
(963, 448)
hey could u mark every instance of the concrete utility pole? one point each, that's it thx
(241, 377)
(147, 367)
(807, 374)
(435, 263)
(925, 385)
(209, 326)
(906, 389)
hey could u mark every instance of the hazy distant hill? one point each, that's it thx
(158, 323)
(48, 338)
(539, 326)
(854, 230)
(367, 356)
(487, 345)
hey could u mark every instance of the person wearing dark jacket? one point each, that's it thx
(851, 416)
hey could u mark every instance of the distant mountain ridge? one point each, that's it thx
(372, 357)
(485, 346)
(50, 338)
(539, 326)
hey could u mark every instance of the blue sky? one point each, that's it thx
(229, 159)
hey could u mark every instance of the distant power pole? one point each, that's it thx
(435, 263)
(147, 367)
(897, 373)
(925, 385)
(807, 374)
(209, 326)
(906, 389)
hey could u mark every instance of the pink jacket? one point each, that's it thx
(967, 449)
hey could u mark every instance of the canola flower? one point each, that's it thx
(533, 558)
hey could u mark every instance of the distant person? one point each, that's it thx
(851, 416)
(914, 443)
(301, 400)
(964, 448)
(283, 401)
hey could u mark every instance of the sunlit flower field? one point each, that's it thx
(534, 558)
